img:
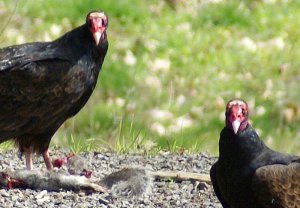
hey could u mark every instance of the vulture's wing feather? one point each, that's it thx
(278, 185)
(213, 177)
(15, 57)
(31, 86)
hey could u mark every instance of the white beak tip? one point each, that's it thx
(97, 36)
(235, 125)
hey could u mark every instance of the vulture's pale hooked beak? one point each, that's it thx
(235, 125)
(97, 36)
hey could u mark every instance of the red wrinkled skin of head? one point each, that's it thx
(236, 110)
(97, 23)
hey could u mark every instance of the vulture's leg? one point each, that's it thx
(28, 157)
(47, 159)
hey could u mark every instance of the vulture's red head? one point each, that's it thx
(236, 115)
(97, 23)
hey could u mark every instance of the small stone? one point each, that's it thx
(42, 200)
(4, 193)
(103, 200)
(41, 194)
(160, 184)
(81, 194)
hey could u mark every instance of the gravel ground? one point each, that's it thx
(164, 193)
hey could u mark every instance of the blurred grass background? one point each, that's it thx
(171, 67)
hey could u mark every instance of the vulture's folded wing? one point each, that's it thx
(278, 185)
(214, 181)
(31, 86)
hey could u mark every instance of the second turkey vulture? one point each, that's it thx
(248, 173)
(44, 83)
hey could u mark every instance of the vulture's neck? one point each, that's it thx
(240, 148)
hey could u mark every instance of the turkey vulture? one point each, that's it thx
(248, 173)
(44, 83)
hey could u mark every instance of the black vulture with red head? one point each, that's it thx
(44, 83)
(248, 173)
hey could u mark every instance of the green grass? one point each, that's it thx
(184, 63)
